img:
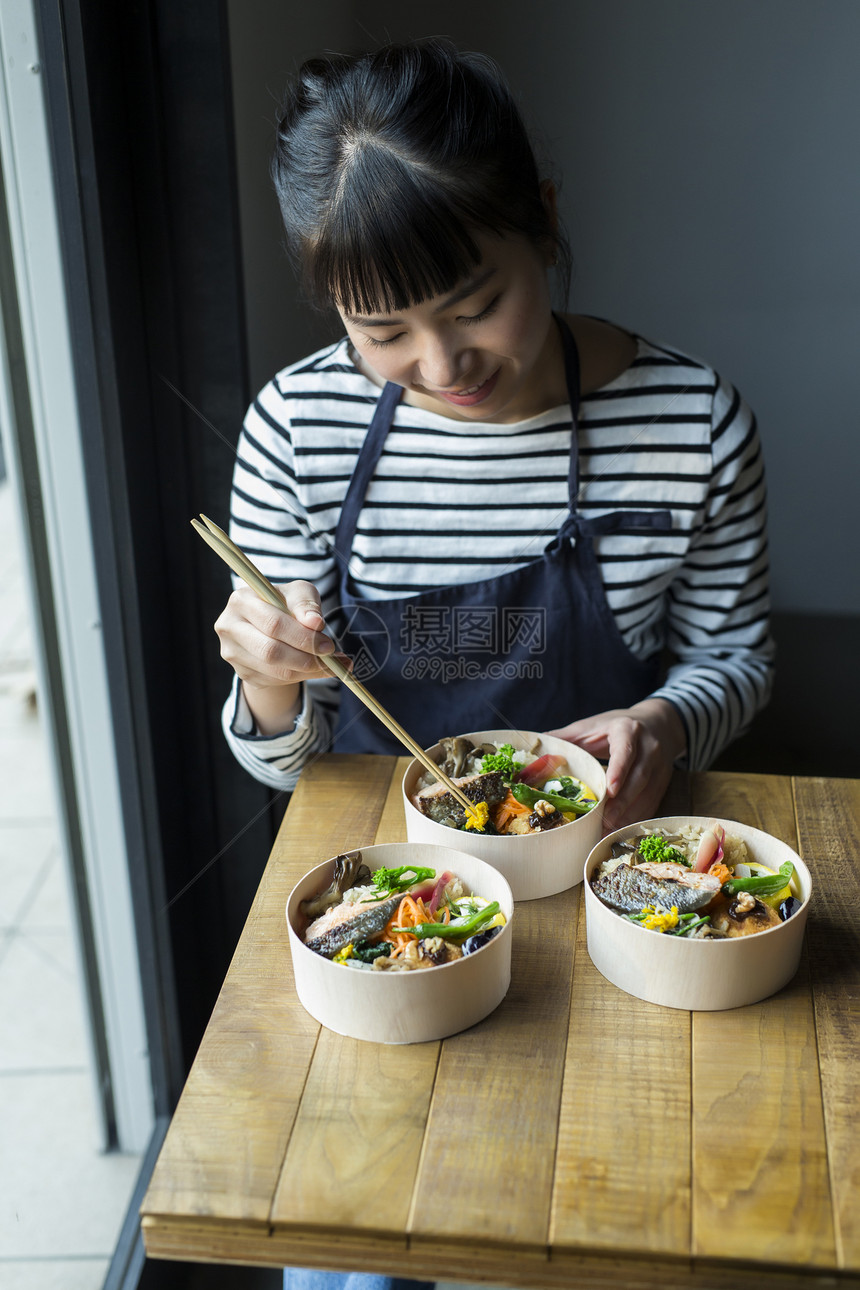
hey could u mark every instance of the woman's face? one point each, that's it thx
(486, 351)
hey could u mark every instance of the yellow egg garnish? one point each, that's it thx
(477, 817)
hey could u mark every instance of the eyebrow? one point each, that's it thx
(462, 293)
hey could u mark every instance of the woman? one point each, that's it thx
(506, 517)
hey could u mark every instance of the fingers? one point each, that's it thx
(303, 603)
(269, 646)
(612, 735)
(624, 739)
(590, 734)
(639, 762)
(628, 808)
(638, 779)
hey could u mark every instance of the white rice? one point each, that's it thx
(689, 836)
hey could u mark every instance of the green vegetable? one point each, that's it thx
(569, 787)
(390, 881)
(687, 922)
(367, 952)
(530, 796)
(656, 848)
(502, 760)
(454, 928)
(766, 884)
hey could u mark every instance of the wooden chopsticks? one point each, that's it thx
(235, 557)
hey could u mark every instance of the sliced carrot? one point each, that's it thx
(721, 871)
(410, 913)
(507, 810)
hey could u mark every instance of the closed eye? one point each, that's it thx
(471, 319)
(379, 344)
(468, 319)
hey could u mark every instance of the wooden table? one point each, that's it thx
(576, 1137)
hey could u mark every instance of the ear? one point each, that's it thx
(549, 197)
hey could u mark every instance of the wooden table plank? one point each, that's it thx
(357, 1136)
(622, 1175)
(214, 1241)
(828, 814)
(392, 823)
(760, 1163)
(336, 807)
(760, 1186)
(223, 1154)
(623, 1168)
(486, 1172)
(763, 801)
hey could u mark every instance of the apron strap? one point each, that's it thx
(618, 520)
(572, 378)
(369, 454)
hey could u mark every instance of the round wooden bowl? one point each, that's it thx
(702, 976)
(535, 864)
(404, 1007)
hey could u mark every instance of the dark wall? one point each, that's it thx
(810, 725)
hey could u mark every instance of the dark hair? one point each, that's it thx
(388, 163)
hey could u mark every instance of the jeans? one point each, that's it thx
(309, 1279)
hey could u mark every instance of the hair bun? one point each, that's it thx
(389, 163)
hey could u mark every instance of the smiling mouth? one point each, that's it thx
(471, 394)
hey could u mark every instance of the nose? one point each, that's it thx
(442, 360)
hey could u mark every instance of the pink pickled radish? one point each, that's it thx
(710, 847)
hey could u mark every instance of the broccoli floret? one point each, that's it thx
(393, 880)
(656, 848)
(503, 761)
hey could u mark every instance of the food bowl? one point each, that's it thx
(535, 864)
(404, 1007)
(699, 975)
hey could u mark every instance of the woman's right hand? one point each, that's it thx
(274, 650)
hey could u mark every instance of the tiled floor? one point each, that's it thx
(62, 1200)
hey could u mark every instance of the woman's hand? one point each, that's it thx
(641, 744)
(273, 651)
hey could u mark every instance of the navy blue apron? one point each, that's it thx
(533, 649)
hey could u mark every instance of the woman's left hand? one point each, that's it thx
(641, 744)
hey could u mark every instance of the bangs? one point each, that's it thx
(393, 236)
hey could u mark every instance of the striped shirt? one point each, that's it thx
(457, 501)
